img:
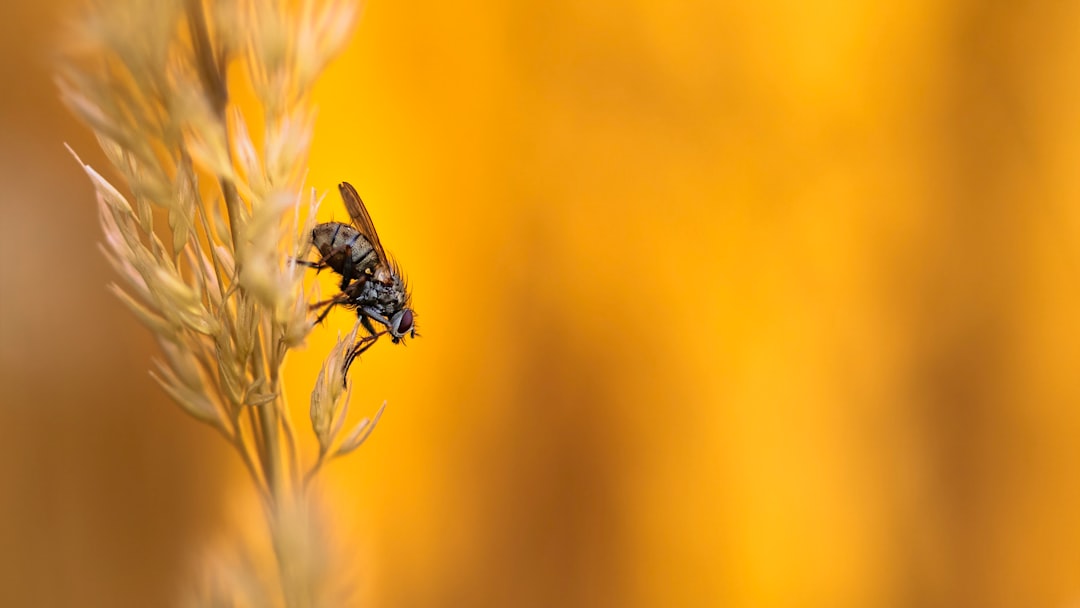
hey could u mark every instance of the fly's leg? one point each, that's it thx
(366, 322)
(329, 304)
(347, 278)
(373, 314)
(362, 345)
(358, 349)
(322, 263)
(316, 265)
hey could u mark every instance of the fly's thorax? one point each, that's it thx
(389, 302)
(387, 298)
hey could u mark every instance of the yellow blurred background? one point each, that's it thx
(723, 304)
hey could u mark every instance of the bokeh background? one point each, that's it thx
(723, 304)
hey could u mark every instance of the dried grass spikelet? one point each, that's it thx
(330, 405)
(216, 282)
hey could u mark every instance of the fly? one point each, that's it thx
(371, 283)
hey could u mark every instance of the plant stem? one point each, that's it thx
(212, 73)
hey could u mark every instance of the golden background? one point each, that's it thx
(723, 304)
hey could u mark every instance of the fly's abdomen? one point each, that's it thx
(340, 243)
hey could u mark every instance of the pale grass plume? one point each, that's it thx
(203, 227)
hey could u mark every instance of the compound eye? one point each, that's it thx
(403, 324)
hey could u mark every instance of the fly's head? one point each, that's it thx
(402, 324)
(402, 317)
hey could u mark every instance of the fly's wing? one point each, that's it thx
(361, 220)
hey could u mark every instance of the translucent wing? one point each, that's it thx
(361, 220)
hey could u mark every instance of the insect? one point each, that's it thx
(371, 283)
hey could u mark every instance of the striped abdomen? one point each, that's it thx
(344, 249)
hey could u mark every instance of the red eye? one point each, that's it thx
(404, 324)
